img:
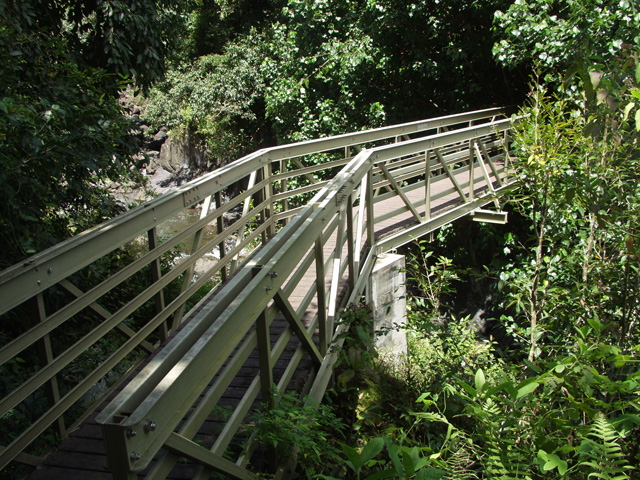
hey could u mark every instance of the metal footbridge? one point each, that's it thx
(143, 349)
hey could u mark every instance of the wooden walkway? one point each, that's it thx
(82, 454)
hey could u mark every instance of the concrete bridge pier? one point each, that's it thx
(387, 298)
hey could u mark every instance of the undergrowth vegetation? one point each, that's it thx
(545, 383)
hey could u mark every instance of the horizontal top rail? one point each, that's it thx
(36, 273)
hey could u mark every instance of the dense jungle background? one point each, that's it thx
(523, 339)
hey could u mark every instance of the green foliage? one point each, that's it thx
(63, 139)
(556, 34)
(132, 39)
(337, 64)
(546, 412)
(402, 462)
(299, 427)
(214, 100)
(580, 193)
(606, 459)
(358, 353)
(433, 280)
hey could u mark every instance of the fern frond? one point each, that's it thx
(602, 453)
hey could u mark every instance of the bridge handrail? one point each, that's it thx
(19, 282)
(26, 283)
(198, 352)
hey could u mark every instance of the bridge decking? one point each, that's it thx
(82, 454)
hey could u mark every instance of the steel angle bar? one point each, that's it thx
(325, 371)
(36, 429)
(298, 328)
(322, 299)
(196, 328)
(400, 193)
(41, 271)
(187, 448)
(188, 273)
(412, 233)
(299, 191)
(485, 172)
(91, 296)
(335, 273)
(105, 314)
(234, 422)
(360, 219)
(488, 159)
(351, 260)
(368, 136)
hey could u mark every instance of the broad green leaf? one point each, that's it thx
(627, 110)
(393, 455)
(493, 390)
(408, 463)
(371, 449)
(480, 380)
(594, 322)
(551, 461)
(352, 454)
(526, 389)
(531, 365)
(468, 388)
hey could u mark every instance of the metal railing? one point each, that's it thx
(86, 311)
(333, 241)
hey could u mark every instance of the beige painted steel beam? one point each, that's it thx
(174, 379)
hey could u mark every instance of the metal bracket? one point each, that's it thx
(191, 196)
(489, 216)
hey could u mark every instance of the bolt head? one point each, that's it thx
(149, 425)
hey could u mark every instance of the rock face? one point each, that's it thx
(176, 155)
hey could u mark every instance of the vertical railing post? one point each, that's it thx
(322, 297)
(335, 273)
(264, 353)
(370, 213)
(220, 228)
(472, 172)
(46, 357)
(188, 273)
(156, 275)
(267, 214)
(507, 157)
(427, 186)
(285, 185)
(362, 209)
(350, 245)
(245, 212)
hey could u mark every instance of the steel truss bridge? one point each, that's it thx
(176, 325)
